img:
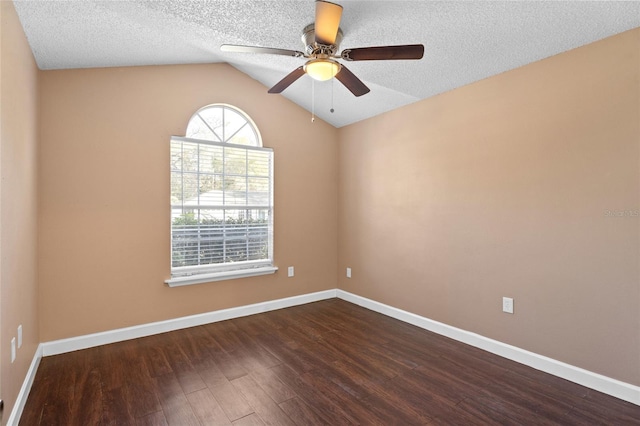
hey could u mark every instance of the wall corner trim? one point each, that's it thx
(604, 384)
(21, 400)
(118, 335)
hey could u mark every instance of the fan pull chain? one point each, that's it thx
(332, 86)
(313, 101)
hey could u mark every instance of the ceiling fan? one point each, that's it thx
(321, 40)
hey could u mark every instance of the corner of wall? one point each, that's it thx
(18, 206)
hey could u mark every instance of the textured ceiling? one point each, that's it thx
(464, 41)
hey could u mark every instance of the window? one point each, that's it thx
(221, 199)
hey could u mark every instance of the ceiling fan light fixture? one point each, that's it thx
(322, 69)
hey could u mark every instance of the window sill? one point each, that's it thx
(220, 276)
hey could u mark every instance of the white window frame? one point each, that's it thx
(196, 274)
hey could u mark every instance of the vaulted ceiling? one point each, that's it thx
(464, 41)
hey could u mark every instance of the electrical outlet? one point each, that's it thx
(507, 305)
(348, 272)
(19, 336)
(13, 349)
(290, 271)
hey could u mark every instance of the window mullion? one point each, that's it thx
(270, 211)
(246, 199)
(237, 131)
(224, 127)
(224, 203)
(182, 175)
(199, 223)
(209, 127)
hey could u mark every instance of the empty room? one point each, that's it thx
(310, 212)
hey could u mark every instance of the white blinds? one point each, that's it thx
(221, 206)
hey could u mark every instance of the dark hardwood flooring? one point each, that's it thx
(329, 363)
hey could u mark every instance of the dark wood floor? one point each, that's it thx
(328, 362)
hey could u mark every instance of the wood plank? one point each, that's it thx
(115, 409)
(59, 408)
(86, 394)
(301, 413)
(175, 405)
(229, 366)
(250, 420)
(152, 350)
(153, 419)
(241, 346)
(321, 404)
(272, 385)
(232, 402)
(300, 361)
(190, 381)
(616, 410)
(139, 388)
(207, 408)
(263, 405)
(195, 343)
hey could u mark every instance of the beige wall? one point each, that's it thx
(104, 195)
(18, 203)
(501, 188)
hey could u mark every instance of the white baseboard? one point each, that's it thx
(604, 384)
(96, 339)
(21, 400)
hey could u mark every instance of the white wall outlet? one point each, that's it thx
(13, 349)
(290, 271)
(348, 272)
(507, 305)
(19, 336)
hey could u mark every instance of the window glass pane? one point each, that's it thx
(207, 192)
(189, 156)
(233, 123)
(211, 215)
(257, 234)
(176, 156)
(212, 197)
(235, 193)
(176, 188)
(235, 236)
(259, 185)
(213, 118)
(176, 213)
(258, 163)
(209, 124)
(199, 129)
(211, 236)
(245, 136)
(212, 244)
(235, 161)
(210, 159)
(190, 189)
(259, 191)
(184, 239)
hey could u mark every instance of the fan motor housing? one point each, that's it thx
(313, 48)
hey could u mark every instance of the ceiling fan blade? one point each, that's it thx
(351, 82)
(327, 22)
(407, 51)
(256, 49)
(287, 81)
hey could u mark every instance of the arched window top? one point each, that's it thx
(223, 123)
